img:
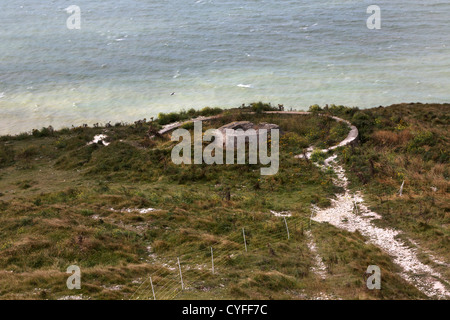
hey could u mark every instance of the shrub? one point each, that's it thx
(6, 155)
(341, 111)
(44, 132)
(318, 156)
(259, 107)
(315, 109)
(338, 133)
(364, 122)
(207, 111)
(292, 142)
(423, 138)
(166, 118)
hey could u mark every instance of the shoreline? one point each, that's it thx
(124, 123)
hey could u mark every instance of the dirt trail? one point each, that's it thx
(319, 267)
(348, 212)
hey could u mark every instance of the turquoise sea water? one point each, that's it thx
(130, 55)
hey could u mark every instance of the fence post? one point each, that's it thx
(153, 290)
(401, 189)
(287, 229)
(245, 243)
(212, 260)
(181, 276)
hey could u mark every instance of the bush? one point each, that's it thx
(207, 111)
(44, 132)
(341, 111)
(166, 118)
(365, 124)
(423, 143)
(315, 109)
(338, 133)
(422, 139)
(6, 155)
(292, 142)
(318, 156)
(259, 107)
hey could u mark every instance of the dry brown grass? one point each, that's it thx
(387, 138)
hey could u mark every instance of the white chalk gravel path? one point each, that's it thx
(344, 214)
(319, 267)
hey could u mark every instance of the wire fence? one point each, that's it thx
(178, 273)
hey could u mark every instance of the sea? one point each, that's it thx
(132, 59)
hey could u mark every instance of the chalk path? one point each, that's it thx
(349, 212)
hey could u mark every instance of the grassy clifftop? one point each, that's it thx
(64, 202)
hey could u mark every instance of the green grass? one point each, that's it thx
(57, 192)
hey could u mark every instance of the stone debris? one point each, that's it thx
(76, 297)
(98, 138)
(113, 288)
(130, 210)
(341, 215)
